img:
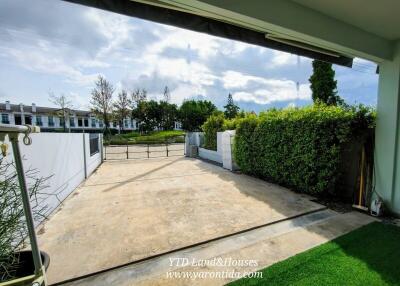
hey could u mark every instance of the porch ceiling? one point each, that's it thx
(361, 28)
(377, 17)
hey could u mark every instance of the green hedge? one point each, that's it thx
(155, 137)
(215, 123)
(299, 147)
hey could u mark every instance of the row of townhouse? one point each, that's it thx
(49, 119)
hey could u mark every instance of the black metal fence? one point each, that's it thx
(143, 151)
(94, 144)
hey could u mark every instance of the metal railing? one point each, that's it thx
(124, 151)
(13, 132)
(94, 143)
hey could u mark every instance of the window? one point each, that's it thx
(72, 122)
(4, 118)
(126, 123)
(86, 122)
(18, 119)
(93, 122)
(80, 122)
(101, 123)
(93, 144)
(39, 120)
(28, 119)
(50, 120)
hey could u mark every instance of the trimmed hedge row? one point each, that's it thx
(215, 123)
(299, 147)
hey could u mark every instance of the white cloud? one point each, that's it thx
(281, 58)
(264, 90)
(38, 61)
(206, 46)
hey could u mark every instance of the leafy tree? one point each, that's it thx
(169, 114)
(148, 114)
(138, 99)
(323, 84)
(231, 109)
(137, 96)
(64, 105)
(121, 108)
(102, 100)
(193, 113)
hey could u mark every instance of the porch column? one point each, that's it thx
(387, 141)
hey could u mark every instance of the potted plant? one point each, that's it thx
(16, 264)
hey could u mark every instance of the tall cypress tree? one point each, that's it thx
(231, 109)
(323, 84)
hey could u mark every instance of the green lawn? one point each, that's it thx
(156, 137)
(367, 256)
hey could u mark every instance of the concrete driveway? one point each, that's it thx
(129, 210)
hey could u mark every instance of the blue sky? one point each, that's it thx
(64, 51)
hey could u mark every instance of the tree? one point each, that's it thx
(102, 100)
(138, 99)
(231, 109)
(148, 114)
(169, 114)
(137, 96)
(193, 113)
(64, 105)
(121, 108)
(167, 95)
(323, 84)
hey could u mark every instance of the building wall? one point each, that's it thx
(59, 156)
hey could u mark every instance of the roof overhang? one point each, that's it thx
(178, 16)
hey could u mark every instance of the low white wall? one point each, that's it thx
(222, 155)
(59, 156)
(210, 155)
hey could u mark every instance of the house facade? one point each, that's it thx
(50, 119)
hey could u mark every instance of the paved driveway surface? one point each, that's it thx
(132, 209)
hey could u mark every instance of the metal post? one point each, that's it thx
(127, 152)
(101, 146)
(148, 151)
(166, 146)
(37, 260)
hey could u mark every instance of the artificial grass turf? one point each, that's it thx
(367, 256)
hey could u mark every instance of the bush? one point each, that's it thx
(299, 148)
(154, 137)
(215, 123)
(13, 228)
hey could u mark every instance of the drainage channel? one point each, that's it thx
(151, 266)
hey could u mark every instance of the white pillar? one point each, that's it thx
(227, 154)
(387, 141)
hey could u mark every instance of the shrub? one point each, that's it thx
(214, 124)
(13, 228)
(299, 147)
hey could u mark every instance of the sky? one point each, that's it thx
(64, 51)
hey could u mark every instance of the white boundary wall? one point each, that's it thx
(223, 155)
(59, 156)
